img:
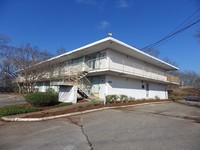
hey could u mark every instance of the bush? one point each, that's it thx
(17, 109)
(94, 102)
(123, 98)
(111, 98)
(157, 97)
(50, 90)
(42, 99)
(130, 99)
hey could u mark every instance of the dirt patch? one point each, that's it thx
(187, 91)
(83, 108)
(65, 111)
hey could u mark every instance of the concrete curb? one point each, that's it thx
(76, 113)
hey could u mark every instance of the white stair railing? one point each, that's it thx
(76, 75)
(85, 85)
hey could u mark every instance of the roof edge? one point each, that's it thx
(117, 41)
(139, 51)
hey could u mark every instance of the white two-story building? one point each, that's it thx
(106, 67)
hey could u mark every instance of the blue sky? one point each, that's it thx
(50, 24)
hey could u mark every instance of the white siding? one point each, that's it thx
(127, 64)
(125, 86)
(159, 90)
(42, 86)
(131, 87)
(68, 94)
(102, 88)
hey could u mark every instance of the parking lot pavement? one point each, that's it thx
(149, 127)
(11, 99)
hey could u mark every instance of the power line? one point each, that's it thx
(173, 34)
(180, 25)
(161, 43)
(176, 31)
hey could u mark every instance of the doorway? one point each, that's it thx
(147, 90)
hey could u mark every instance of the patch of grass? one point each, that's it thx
(17, 109)
(64, 104)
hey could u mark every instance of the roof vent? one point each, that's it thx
(109, 34)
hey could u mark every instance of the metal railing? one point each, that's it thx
(173, 79)
(117, 64)
(130, 67)
(85, 85)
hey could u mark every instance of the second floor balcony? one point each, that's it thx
(124, 66)
(116, 65)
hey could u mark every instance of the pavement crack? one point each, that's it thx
(195, 119)
(83, 132)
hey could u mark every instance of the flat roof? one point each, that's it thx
(114, 44)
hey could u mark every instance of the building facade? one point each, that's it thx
(108, 67)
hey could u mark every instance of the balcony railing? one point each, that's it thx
(130, 67)
(116, 64)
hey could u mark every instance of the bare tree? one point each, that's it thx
(5, 78)
(197, 82)
(170, 61)
(6, 74)
(61, 50)
(4, 40)
(27, 61)
(188, 78)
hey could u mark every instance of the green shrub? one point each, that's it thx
(94, 102)
(17, 109)
(111, 98)
(130, 99)
(42, 99)
(50, 90)
(123, 98)
(157, 97)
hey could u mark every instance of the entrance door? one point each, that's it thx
(147, 90)
(95, 87)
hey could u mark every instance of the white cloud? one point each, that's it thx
(122, 3)
(103, 25)
(89, 2)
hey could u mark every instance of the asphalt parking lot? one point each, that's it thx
(11, 99)
(151, 127)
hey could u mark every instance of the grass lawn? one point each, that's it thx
(26, 108)
(17, 109)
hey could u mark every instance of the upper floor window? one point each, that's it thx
(75, 61)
